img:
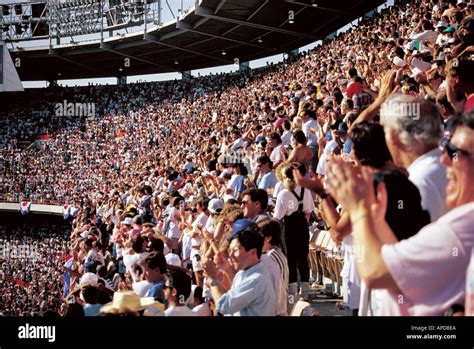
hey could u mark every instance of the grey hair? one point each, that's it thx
(416, 121)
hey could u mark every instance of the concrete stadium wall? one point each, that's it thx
(35, 208)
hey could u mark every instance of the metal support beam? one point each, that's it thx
(219, 6)
(262, 5)
(207, 12)
(110, 48)
(158, 41)
(100, 72)
(187, 27)
(341, 12)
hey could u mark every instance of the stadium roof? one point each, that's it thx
(244, 29)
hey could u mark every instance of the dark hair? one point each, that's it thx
(249, 239)
(272, 229)
(286, 125)
(349, 102)
(442, 100)
(404, 215)
(101, 271)
(264, 159)
(156, 245)
(288, 171)
(257, 195)
(156, 260)
(74, 310)
(310, 113)
(353, 72)
(368, 142)
(177, 200)
(181, 282)
(90, 294)
(276, 137)
(299, 137)
(198, 294)
(467, 119)
(137, 243)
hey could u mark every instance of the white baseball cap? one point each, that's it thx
(127, 221)
(215, 205)
(89, 279)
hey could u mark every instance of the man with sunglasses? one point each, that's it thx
(424, 275)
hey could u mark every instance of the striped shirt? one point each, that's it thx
(280, 259)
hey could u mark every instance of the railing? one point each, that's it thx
(11, 199)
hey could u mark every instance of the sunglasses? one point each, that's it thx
(452, 150)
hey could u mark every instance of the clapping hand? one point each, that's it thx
(352, 186)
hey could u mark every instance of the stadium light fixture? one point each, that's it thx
(120, 69)
(224, 53)
(259, 40)
(176, 62)
(314, 3)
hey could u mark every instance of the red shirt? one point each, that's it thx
(354, 88)
(469, 104)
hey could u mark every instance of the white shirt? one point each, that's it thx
(276, 156)
(238, 144)
(286, 138)
(233, 184)
(173, 231)
(141, 287)
(278, 188)
(198, 224)
(328, 150)
(130, 260)
(287, 204)
(429, 176)
(430, 267)
(173, 259)
(429, 35)
(278, 283)
(179, 311)
(312, 139)
(202, 310)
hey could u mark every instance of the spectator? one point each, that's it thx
(412, 137)
(252, 292)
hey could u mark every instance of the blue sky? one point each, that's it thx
(166, 16)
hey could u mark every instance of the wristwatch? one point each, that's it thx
(214, 282)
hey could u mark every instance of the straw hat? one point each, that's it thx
(131, 301)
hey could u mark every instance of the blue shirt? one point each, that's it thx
(348, 146)
(156, 291)
(268, 181)
(92, 309)
(252, 294)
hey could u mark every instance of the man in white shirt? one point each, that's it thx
(310, 126)
(286, 136)
(413, 130)
(406, 269)
(177, 290)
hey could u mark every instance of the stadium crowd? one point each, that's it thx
(196, 198)
(31, 261)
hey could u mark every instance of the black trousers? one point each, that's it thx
(297, 246)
